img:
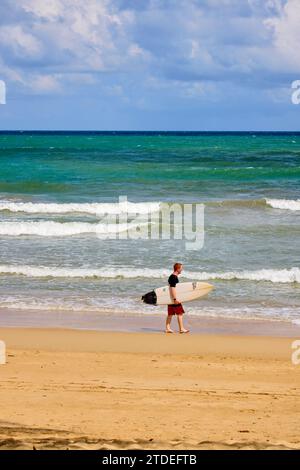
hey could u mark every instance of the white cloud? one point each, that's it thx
(20, 42)
(266, 7)
(54, 42)
(286, 30)
(10, 74)
(44, 84)
(50, 9)
(89, 32)
(67, 38)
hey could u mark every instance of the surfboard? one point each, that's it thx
(185, 291)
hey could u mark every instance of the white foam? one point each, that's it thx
(93, 208)
(98, 208)
(284, 276)
(284, 204)
(272, 275)
(104, 272)
(133, 307)
(58, 229)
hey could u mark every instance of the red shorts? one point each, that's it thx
(175, 309)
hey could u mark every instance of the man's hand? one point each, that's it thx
(176, 302)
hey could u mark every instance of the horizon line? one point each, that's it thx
(147, 131)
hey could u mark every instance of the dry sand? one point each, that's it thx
(99, 390)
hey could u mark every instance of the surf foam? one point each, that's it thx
(93, 208)
(284, 204)
(58, 229)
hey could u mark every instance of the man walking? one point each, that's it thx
(176, 307)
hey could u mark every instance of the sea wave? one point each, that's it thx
(238, 203)
(131, 307)
(284, 276)
(284, 204)
(65, 229)
(92, 208)
(103, 208)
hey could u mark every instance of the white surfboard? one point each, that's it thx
(185, 292)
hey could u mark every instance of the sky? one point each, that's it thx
(219, 65)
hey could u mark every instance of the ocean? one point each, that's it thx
(55, 188)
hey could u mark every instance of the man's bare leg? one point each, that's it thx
(180, 324)
(168, 324)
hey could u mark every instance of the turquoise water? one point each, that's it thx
(54, 189)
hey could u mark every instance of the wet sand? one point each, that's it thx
(151, 323)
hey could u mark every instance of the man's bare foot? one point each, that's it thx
(168, 330)
(184, 331)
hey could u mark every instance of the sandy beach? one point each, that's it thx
(149, 182)
(71, 389)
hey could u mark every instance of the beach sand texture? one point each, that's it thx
(68, 389)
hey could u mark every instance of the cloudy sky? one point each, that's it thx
(150, 64)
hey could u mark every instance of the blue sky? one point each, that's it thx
(150, 64)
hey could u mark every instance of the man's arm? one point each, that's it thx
(173, 295)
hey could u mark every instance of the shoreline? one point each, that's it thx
(138, 323)
(71, 389)
(64, 340)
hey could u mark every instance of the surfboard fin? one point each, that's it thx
(150, 298)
